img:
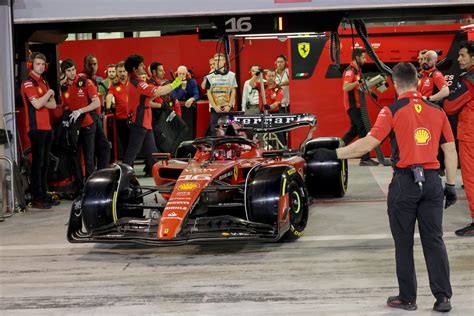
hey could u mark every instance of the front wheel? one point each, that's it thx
(298, 208)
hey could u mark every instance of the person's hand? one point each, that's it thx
(450, 194)
(189, 102)
(75, 115)
(322, 154)
(51, 92)
(176, 82)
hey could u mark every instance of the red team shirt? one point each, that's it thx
(429, 80)
(139, 95)
(119, 91)
(272, 94)
(34, 87)
(350, 75)
(416, 129)
(78, 95)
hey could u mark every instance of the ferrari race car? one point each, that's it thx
(229, 187)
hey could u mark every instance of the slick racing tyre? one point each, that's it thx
(327, 178)
(266, 190)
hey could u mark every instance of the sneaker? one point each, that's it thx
(368, 162)
(42, 205)
(442, 305)
(398, 302)
(466, 231)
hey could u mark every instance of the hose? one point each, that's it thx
(362, 32)
(335, 49)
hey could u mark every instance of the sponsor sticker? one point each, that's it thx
(422, 136)
(188, 186)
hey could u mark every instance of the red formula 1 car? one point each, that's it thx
(231, 189)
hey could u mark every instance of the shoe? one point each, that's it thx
(442, 305)
(368, 162)
(466, 231)
(52, 201)
(42, 205)
(398, 302)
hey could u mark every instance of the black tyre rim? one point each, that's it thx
(298, 205)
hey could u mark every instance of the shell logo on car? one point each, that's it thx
(188, 186)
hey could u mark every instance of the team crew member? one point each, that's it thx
(461, 100)
(352, 81)
(283, 80)
(273, 93)
(118, 92)
(432, 85)
(417, 128)
(421, 53)
(38, 98)
(221, 91)
(250, 96)
(139, 94)
(79, 95)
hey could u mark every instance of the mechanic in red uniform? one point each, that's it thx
(79, 95)
(102, 144)
(274, 96)
(432, 85)
(352, 78)
(38, 98)
(461, 100)
(273, 93)
(118, 92)
(416, 128)
(139, 94)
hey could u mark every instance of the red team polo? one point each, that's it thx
(272, 94)
(351, 98)
(32, 88)
(414, 123)
(78, 95)
(430, 79)
(119, 91)
(139, 95)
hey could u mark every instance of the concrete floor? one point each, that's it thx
(344, 265)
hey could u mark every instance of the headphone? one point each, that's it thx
(29, 63)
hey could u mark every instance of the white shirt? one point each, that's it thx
(286, 89)
(249, 96)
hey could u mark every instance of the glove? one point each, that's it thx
(176, 82)
(322, 154)
(75, 115)
(450, 194)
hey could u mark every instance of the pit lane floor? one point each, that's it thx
(344, 265)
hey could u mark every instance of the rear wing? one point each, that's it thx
(269, 123)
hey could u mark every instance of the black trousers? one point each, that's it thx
(87, 142)
(407, 203)
(357, 128)
(212, 124)
(140, 137)
(122, 133)
(102, 146)
(41, 141)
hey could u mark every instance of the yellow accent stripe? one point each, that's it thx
(284, 187)
(114, 208)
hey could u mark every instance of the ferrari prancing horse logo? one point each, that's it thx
(303, 49)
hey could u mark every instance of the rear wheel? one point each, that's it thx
(325, 178)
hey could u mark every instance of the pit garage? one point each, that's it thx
(266, 231)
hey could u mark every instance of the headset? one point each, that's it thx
(29, 63)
